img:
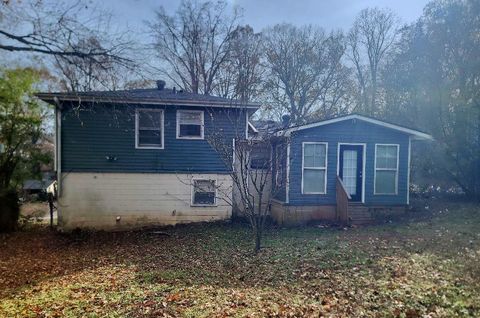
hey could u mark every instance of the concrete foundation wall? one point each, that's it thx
(113, 201)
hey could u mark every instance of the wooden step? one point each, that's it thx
(359, 214)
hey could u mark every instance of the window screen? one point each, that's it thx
(189, 124)
(149, 128)
(204, 192)
(314, 167)
(386, 169)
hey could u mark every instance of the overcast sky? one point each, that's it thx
(332, 14)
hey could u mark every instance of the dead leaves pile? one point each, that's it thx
(414, 269)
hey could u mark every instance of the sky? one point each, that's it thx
(332, 14)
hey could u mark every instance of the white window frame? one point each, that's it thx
(325, 168)
(364, 159)
(202, 124)
(162, 127)
(385, 169)
(192, 194)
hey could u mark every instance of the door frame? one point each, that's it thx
(364, 154)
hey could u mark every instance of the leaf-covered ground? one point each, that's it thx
(425, 265)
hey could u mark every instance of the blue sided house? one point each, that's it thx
(143, 157)
(347, 169)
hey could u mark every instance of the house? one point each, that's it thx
(348, 168)
(142, 157)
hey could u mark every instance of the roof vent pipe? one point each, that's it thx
(285, 120)
(161, 84)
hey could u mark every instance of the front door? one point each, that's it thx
(350, 170)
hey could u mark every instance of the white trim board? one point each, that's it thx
(415, 133)
(255, 130)
(408, 169)
(364, 154)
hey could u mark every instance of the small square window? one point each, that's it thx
(203, 192)
(189, 124)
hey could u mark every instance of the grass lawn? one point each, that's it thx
(425, 265)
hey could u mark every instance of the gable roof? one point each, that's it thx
(416, 134)
(151, 96)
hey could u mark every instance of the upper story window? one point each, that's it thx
(149, 128)
(314, 174)
(190, 124)
(386, 169)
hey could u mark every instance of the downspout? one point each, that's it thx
(58, 146)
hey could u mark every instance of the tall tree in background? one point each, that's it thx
(303, 69)
(434, 82)
(194, 43)
(241, 76)
(83, 74)
(369, 40)
(21, 118)
(63, 30)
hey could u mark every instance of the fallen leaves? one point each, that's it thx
(413, 269)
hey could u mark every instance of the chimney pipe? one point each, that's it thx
(160, 84)
(285, 121)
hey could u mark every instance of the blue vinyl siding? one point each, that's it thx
(92, 134)
(348, 132)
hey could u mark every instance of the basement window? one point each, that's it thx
(204, 192)
(149, 128)
(190, 124)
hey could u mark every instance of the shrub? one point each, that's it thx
(9, 210)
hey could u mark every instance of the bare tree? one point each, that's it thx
(250, 163)
(194, 43)
(304, 68)
(241, 76)
(52, 28)
(372, 35)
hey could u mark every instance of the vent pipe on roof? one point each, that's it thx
(161, 84)
(285, 121)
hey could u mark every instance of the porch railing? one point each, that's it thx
(342, 201)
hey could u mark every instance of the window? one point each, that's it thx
(149, 128)
(314, 175)
(203, 192)
(386, 169)
(190, 124)
(260, 158)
